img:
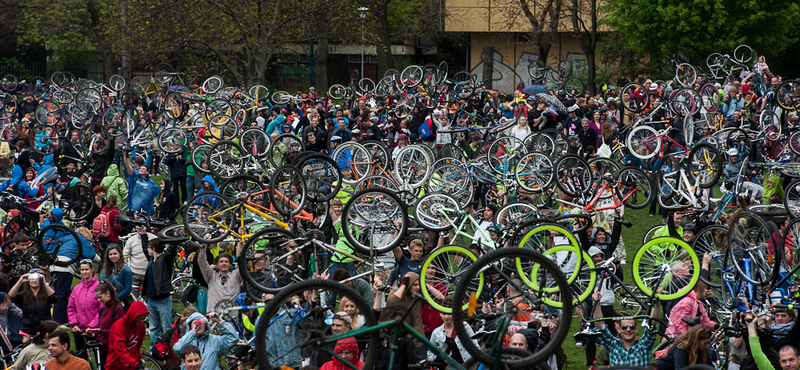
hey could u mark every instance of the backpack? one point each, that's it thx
(426, 130)
(102, 225)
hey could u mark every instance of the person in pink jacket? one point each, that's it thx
(690, 308)
(83, 308)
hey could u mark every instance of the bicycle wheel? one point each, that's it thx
(600, 167)
(753, 248)
(322, 175)
(21, 224)
(240, 187)
(668, 262)
(643, 142)
(412, 166)
(453, 180)
(770, 123)
(76, 202)
(712, 240)
(545, 271)
(94, 138)
(59, 245)
(411, 76)
(582, 286)
(573, 175)
(705, 164)
(208, 217)
(268, 261)
(536, 69)
(500, 153)
(633, 188)
(199, 158)
(337, 92)
(309, 318)
(534, 172)
(284, 149)
(150, 363)
(46, 113)
(710, 98)
(433, 211)
(791, 198)
(442, 270)
(226, 159)
(573, 86)
(172, 140)
(515, 213)
(372, 215)
(287, 191)
(788, 95)
(635, 98)
(743, 54)
(549, 235)
(255, 142)
(628, 302)
(685, 74)
(540, 143)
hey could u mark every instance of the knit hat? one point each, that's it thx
(594, 250)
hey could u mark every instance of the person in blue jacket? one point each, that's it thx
(211, 346)
(23, 190)
(142, 190)
(68, 247)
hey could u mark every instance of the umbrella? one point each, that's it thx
(552, 100)
(534, 89)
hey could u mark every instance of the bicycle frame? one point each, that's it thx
(457, 229)
(589, 208)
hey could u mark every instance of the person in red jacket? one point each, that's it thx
(127, 335)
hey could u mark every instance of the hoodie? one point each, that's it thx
(211, 346)
(143, 192)
(23, 189)
(115, 185)
(125, 343)
(341, 346)
(83, 306)
(209, 179)
(415, 318)
(169, 203)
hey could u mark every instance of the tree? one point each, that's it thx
(82, 26)
(704, 26)
(583, 12)
(544, 20)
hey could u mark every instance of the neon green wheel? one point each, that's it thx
(564, 257)
(672, 262)
(442, 271)
(546, 236)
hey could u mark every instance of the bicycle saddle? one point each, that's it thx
(692, 322)
(623, 222)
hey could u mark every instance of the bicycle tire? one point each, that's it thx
(283, 149)
(453, 180)
(200, 153)
(411, 76)
(534, 172)
(359, 214)
(286, 180)
(196, 217)
(275, 243)
(412, 165)
(240, 187)
(427, 211)
(225, 159)
(582, 286)
(45, 139)
(323, 177)
(788, 95)
(314, 323)
(441, 261)
(337, 92)
(573, 175)
(150, 363)
(743, 54)
(791, 198)
(76, 201)
(21, 223)
(666, 251)
(538, 239)
(710, 98)
(52, 238)
(632, 178)
(643, 142)
(573, 86)
(714, 240)
(708, 167)
(515, 213)
(749, 233)
(545, 265)
(635, 98)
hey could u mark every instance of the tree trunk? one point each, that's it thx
(590, 59)
(321, 58)
(488, 66)
(384, 45)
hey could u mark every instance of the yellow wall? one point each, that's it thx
(512, 57)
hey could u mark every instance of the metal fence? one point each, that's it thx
(23, 72)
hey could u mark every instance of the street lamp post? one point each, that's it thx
(363, 11)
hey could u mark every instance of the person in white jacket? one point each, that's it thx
(445, 338)
(134, 253)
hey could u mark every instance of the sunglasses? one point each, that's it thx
(626, 327)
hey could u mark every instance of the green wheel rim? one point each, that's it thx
(426, 265)
(591, 282)
(665, 251)
(574, 245)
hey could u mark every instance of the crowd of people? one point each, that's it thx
(120, 294)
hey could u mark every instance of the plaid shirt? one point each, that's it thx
(638, 355)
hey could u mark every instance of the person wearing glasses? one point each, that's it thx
(627, 349)
(83, 307)
(224, 284)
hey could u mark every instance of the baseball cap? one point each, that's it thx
(573, 108)
(341, 315)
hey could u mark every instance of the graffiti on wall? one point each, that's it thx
(506, 78)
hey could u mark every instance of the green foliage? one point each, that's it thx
(703, 26)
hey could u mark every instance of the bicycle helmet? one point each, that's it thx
(690, 226)
(733, 152)
(36, 366)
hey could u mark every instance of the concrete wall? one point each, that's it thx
(512, 58)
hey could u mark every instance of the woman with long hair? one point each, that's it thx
(118, 273)
(691, 348)
(83, 307)
(521, 130)
(348, 306)
(110, 311)
(36, 299)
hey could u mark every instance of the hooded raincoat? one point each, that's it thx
(125, 343)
